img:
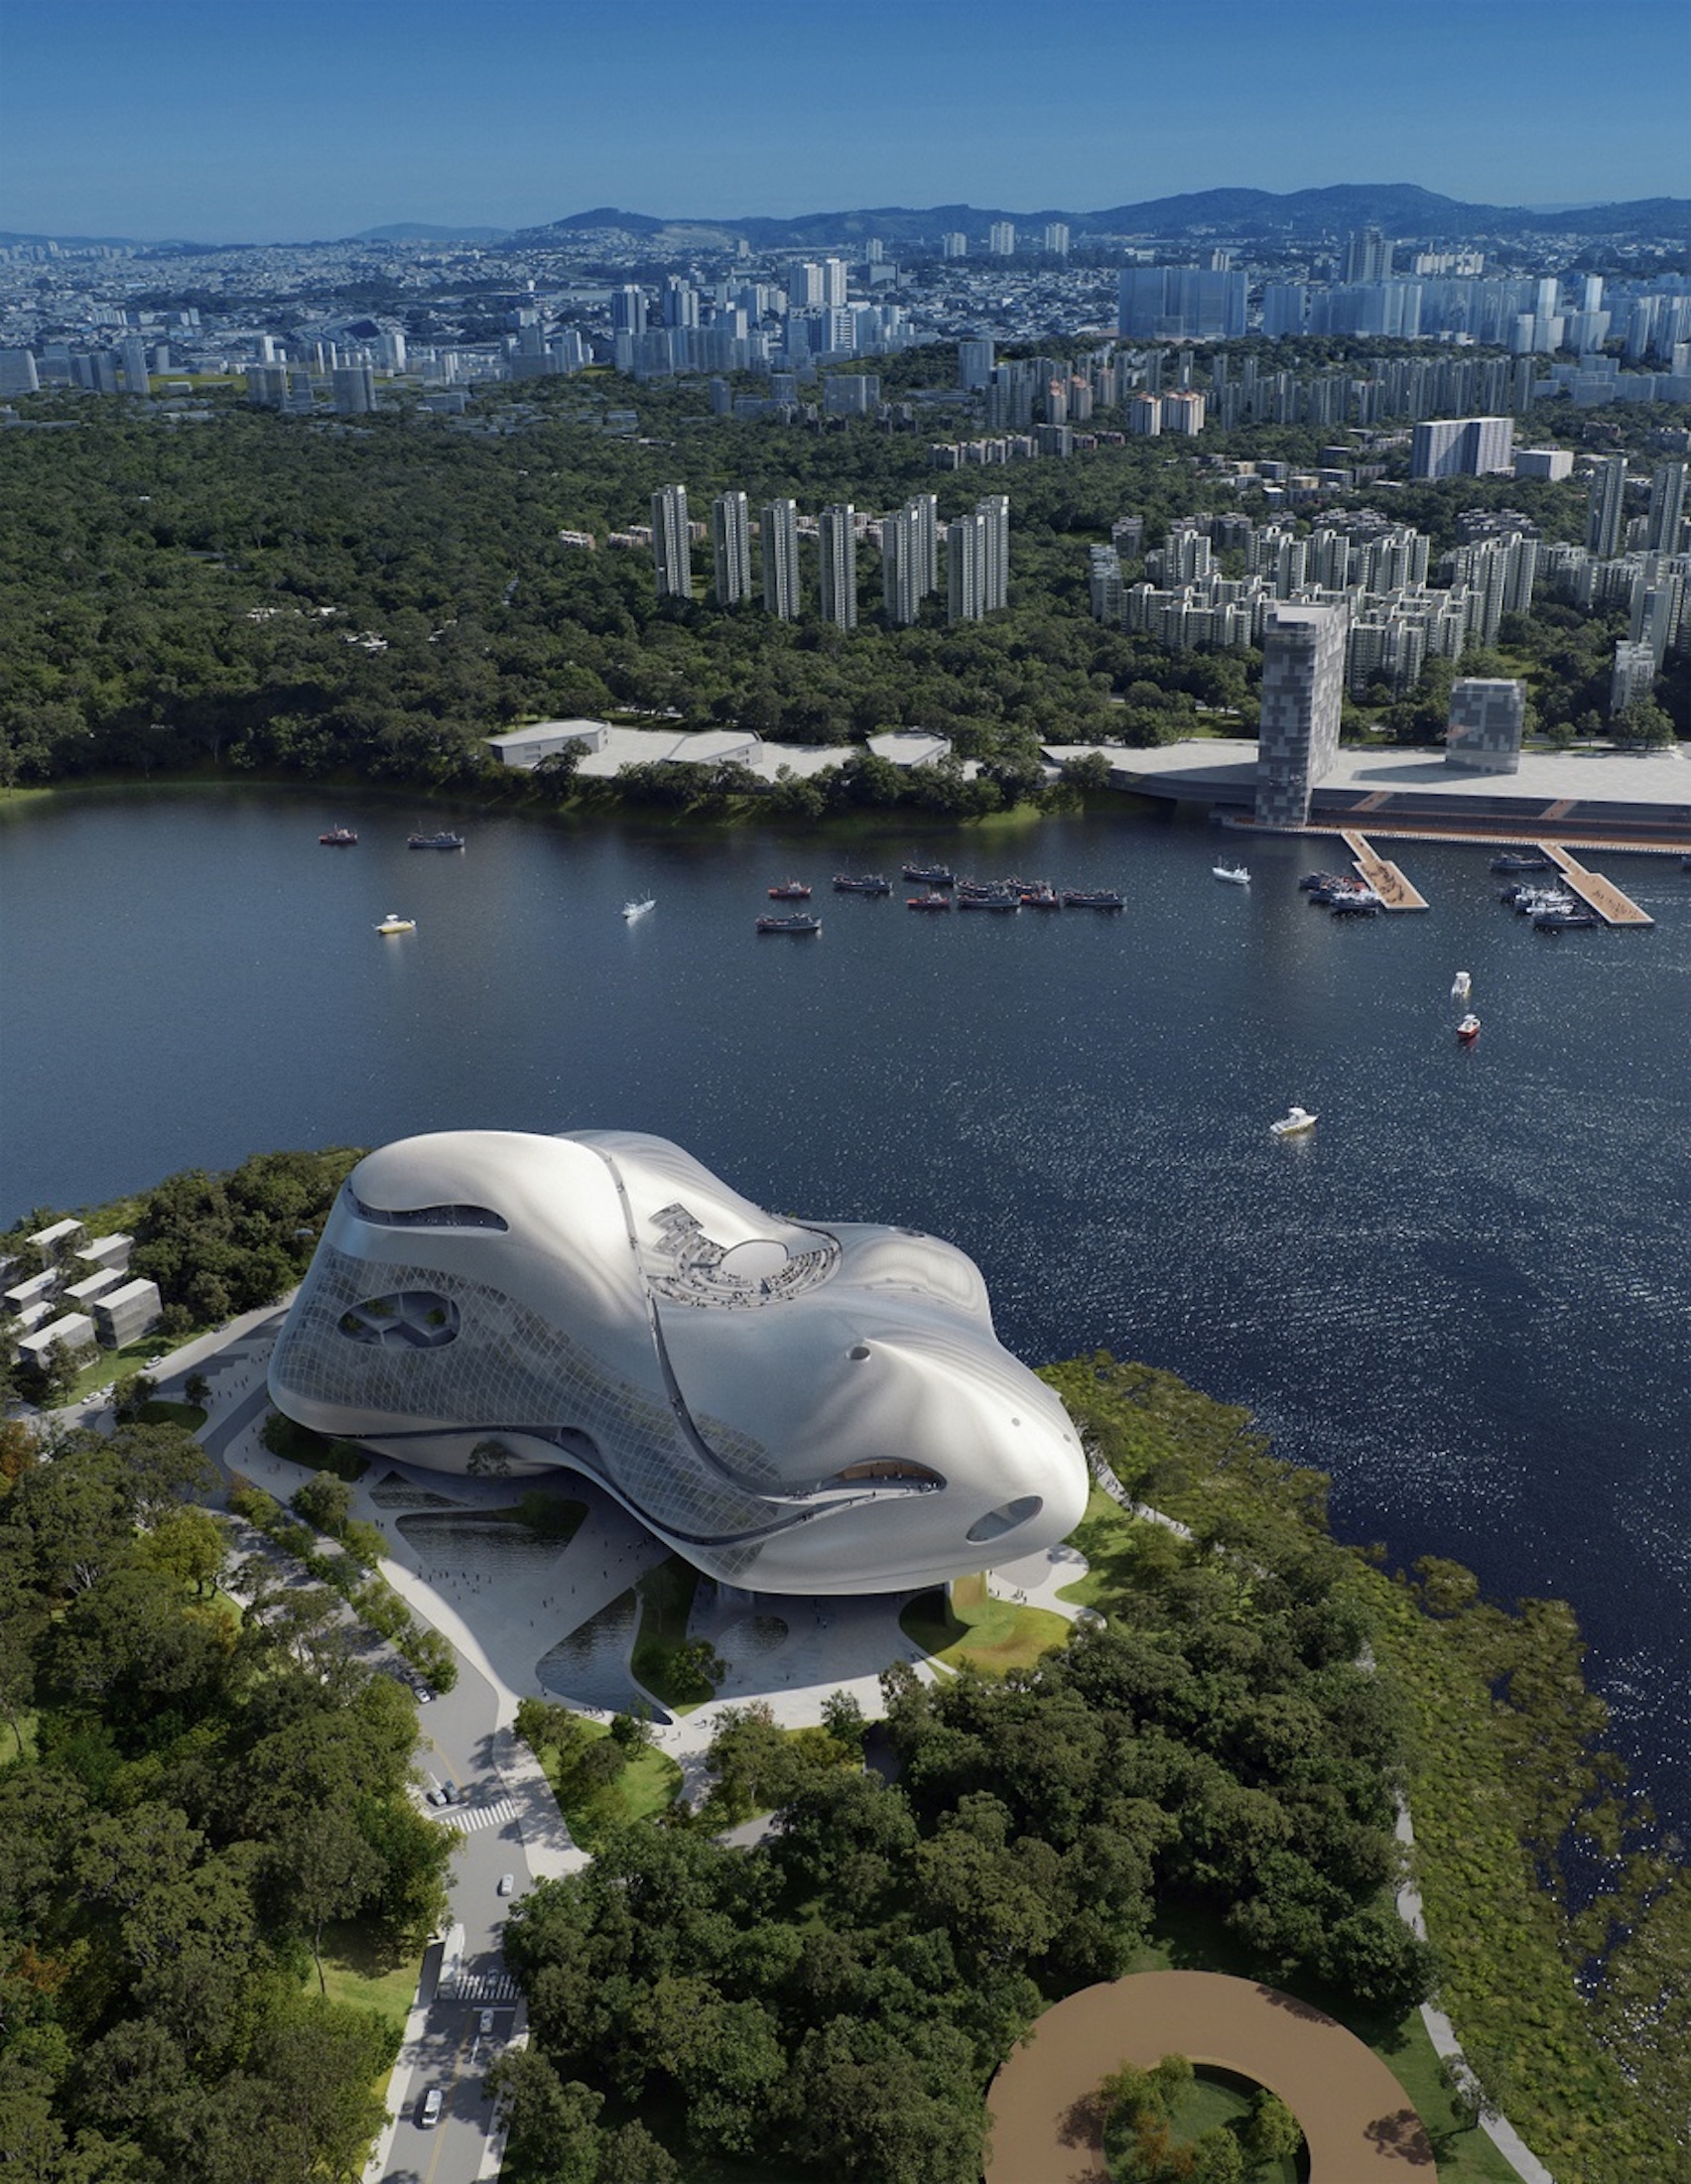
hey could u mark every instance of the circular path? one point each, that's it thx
(1356, 2119)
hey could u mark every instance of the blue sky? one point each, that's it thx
(237, 120)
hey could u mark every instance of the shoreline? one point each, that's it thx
(739, 813)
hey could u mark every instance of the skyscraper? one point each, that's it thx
(1368, 256)
(1606, 511)
(965, 567)
(834, 276)
(837, 532)
(954, 244)
(974, 363)
(995, 513)
(672, 546)
(1001, 239)
(779, 533)
(1303, 689)
(681, 301)
(901, 566)
(924, 509)
(977, 560)
(1667, 509)
(133, 354)
(1462, 447)
(1054, 240)
(1181, 304)
(803, 284)
(730, 549)
(628, 311)
(354, 390)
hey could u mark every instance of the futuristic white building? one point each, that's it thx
(792, 1408)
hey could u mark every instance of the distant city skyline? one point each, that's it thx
(185, 119)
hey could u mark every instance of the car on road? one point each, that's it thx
(486, 2021)
(507, 1884)
(424, 1697)
(439, 1796)
(429, 2115)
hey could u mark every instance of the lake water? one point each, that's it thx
(1468, 1296)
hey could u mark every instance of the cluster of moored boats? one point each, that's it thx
(346, 837)
(942, 889)
(1341, 893)
(1551, 909)
(1550, 906)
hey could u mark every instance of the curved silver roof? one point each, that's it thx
(794, 1406)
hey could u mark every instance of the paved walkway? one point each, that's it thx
(1357, 2122)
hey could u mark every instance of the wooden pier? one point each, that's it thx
(1387, 882)
(1596, 892)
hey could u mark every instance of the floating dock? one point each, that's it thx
(1597, 893)
(1387, 882)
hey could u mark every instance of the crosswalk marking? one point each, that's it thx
(472, 1817)
(479, 1986)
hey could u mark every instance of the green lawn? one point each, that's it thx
(1216, 2098)
(359, 1968)
(10, 1746)
(1105, 1535)
(161, 1412)
(645, 1787)
(1197, 1941)
(970, 1625)
(107, 1365)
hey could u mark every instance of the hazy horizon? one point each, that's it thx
(181, 120)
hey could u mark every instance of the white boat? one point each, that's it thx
(1235, 873)
(394, 923)
(1293, 1124)
(1462, 985)
(633, 910)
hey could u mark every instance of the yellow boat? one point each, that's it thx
(394, 923)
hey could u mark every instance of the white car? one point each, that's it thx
(429, 2115)
(486, 2021)
(507, 1884)
(439, 1797)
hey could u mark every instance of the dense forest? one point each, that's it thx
(374, 597)
(191, 1791)
(835, 1998)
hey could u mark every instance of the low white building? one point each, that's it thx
(122, 1315)
(521, 749)
(74, 1329)
(104, 1251)
(24, 1294)
(58, 1238)
(83, 1294)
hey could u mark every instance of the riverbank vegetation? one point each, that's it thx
(371, 602)
(1559, 1914)
(204, 1797)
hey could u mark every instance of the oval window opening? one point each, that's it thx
(996, 1522)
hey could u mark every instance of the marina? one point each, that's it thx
(1380, 873)
(1603, 896)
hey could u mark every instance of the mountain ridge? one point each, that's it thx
(1404, 210)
